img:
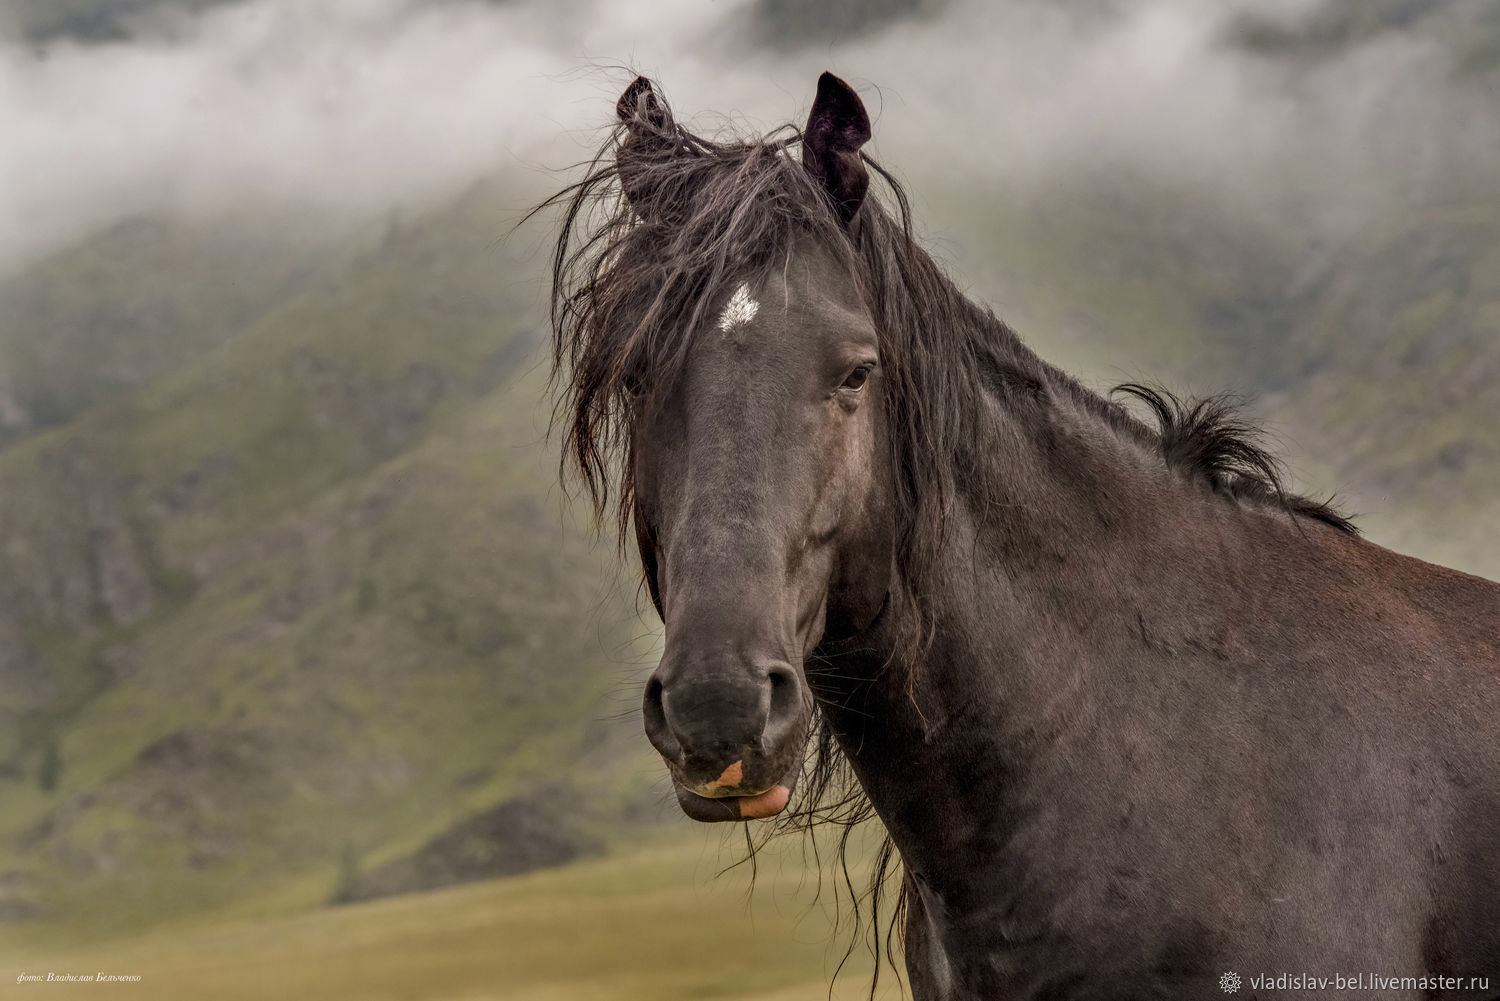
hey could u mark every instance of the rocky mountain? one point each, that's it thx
(309, 593)
(137, 300)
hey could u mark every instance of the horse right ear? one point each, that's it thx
(837, 127)
(650, 138)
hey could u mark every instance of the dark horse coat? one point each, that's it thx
(1135, 718)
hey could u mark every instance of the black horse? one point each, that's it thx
(1134, 717)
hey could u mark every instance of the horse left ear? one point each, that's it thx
(836, 129)
(650, 139)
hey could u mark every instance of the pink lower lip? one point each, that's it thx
(767, 804)
(760, 806)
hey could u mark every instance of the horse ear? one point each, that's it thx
(836, 129)
(650, 136)
(639, 106)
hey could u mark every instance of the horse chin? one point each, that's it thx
(722, 809)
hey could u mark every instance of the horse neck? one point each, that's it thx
(1054, 571)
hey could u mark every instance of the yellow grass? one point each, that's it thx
(655, 923)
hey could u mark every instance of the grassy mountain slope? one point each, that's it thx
(1373, 359)
(99, 319)
(307, 598)
(1412, 418)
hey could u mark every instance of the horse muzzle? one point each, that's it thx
(733, 742)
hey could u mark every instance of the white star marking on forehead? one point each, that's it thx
(740, 309)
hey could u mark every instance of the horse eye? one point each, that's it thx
(856, 379)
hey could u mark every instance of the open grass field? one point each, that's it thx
(653, 922)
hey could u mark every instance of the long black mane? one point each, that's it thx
(632, 281)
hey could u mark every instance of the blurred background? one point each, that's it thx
(313, 684)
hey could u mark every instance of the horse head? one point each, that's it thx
(759, 462)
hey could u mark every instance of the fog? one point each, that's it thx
(351, 107)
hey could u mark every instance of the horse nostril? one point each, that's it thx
(786, 700)
(658, 730)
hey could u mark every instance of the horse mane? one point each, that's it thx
(1207, 438)
(631, 285)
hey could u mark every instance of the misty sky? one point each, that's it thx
(355, 106)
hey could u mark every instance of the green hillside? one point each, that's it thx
(1373, 359)
(99, 319)
(306, 601)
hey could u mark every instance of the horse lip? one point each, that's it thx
(726, 807)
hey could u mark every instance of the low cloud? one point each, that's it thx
(346, 106)
(352, 106)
